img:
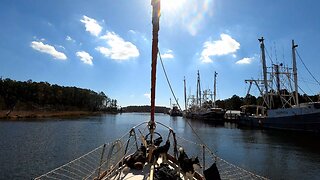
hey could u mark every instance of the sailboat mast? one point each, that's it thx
(215, 89)
(264, 65)
(295, 74)
(155, 29)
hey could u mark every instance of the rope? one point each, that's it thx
(268, 55)
(301, 89)
(307, 68)
(165, 73)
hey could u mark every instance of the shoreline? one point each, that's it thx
(46, 114)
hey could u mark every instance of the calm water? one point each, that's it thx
(31, 148)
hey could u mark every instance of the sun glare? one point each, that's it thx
(188, 14)
(172, 6)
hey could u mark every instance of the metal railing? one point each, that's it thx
(105, 161)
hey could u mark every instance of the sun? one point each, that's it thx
(172, 6)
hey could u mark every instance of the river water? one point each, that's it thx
(32, 147)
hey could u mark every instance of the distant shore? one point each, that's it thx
(46, 114)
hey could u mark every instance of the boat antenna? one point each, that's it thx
(155, 29)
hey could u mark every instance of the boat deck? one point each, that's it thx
(132, 174)
(125, 173)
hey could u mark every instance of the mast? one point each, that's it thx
(198, 91)
(197, 97)
(277, 73)
(264, 65)
(215, 89)
(155, 29)
(185, 93)
(295, 74)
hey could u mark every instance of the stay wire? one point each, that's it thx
(307, 68)
(165, 73)
(193, 130)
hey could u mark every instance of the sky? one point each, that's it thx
(105, 45)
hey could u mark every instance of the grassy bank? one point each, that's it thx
(46, 114)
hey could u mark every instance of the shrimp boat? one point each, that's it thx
(290, 115)
(140, 153)
(207, 111)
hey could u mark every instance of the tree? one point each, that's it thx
(43, 95)
(249, 100)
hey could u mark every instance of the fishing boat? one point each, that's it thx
(175, 111)
(281, 108)
(150, 150)
(203, 109)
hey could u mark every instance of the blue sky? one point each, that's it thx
(105, 45)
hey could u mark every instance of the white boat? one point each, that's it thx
(151, 150)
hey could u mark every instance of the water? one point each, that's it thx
(32, 147)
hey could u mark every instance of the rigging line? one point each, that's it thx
(165, 73)
(269, 56)
(307, 68)
(307, 84)
(302, 90)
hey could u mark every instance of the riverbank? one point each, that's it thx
(47, 114)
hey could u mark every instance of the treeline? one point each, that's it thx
(158, 109)
(31, 95)
(235, 102)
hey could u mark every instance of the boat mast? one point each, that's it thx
(264, 64)
(155, 29)
(215, 89)
(295, 74)
(277, 73)
(185, 93)
(198, 91)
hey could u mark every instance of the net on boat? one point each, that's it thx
(105, 160)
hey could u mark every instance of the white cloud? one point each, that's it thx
(132, 31)
(168, 55)
(137, 36)
(118, 48)
(147, 95)
(245, 61)
(62, 47)
(48, 49)
(91, 25)
(226, 45)
(85, 57)
(68, 38)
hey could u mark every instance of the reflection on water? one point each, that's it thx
(33, 147)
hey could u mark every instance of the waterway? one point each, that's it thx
(29, 148)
